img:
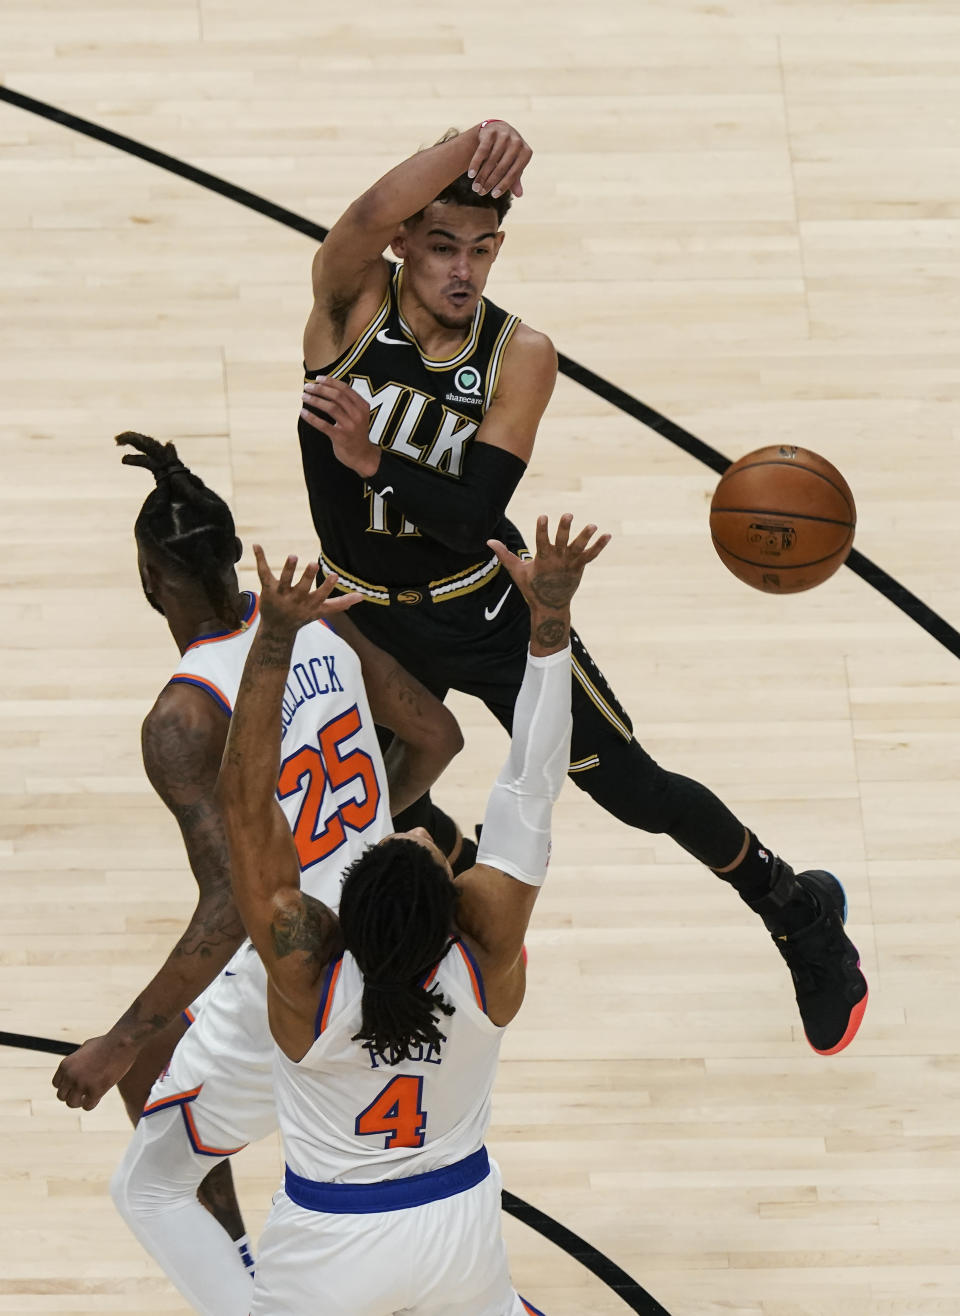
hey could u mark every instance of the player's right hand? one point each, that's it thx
(285, 606)
(83, 1078)
(549, 580)
(499, 160)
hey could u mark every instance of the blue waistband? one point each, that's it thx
(388, 1194)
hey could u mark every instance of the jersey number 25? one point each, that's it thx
(322, 765)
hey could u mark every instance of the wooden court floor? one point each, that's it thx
(748, 216)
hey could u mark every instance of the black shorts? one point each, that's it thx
(477, 644)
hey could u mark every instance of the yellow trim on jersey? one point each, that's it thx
(347, 583)
(339, 368)
(581, 765)
(496, 359)
(468, 580)
(437, 364)
(459, 575)
(486, 571)
(596, 698)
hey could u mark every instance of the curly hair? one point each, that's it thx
(396, 913)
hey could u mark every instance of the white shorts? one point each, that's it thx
(221, 1074)
(444, 1258)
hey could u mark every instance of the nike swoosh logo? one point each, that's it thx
(490, 613)
(384, 337)
(385, 490)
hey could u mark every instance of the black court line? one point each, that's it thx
(902, 598)
(635, 1297)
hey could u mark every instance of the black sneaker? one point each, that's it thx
(825, 965)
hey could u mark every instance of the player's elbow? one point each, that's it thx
(469, 532)
(449, 737)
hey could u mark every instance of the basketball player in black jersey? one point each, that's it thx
(419, 414)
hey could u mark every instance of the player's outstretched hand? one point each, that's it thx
(499, 160)
(285, 606)
(549, 580)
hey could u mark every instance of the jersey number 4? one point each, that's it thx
(322, 765)
(396, 1112)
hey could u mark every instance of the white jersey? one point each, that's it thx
(332, 783)
(348, 1116)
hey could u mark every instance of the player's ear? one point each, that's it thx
(398, 243)
(498, 242)
(237, 549)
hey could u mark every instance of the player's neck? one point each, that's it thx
(434, 338)
(191, 619)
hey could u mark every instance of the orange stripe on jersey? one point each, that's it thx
(534, 1311)
(201, 682)
(326, 996)
(428, 980)
(476, 980)
(198, 1144)
(250, 613)
(176, 1100)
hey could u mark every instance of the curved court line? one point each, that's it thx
(608, 1272)
(902, 598)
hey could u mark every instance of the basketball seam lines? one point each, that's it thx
(780, 566)
(794, 516)
(774, 461)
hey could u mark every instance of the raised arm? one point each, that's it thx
(294, 934)
(498, 894)
(349, 272)
(426, 734)
(183, 739)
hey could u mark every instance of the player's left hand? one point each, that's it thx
(285, 606)
(83, 1078)
(345, 420)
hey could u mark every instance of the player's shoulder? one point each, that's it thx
(183, 714)
(530, 348)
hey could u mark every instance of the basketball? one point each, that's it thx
(782, 519)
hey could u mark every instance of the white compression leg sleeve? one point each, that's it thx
(155, 1190)
(516, 829)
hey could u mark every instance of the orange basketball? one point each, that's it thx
(782, 519)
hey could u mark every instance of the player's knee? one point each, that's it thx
(139, 1187)
(633, 787)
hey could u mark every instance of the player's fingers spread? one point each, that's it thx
(310, 572)
(596, 549)
(506, 558)
(543, 536)
(326, 587)
(583, 538)
(563, 531)
(263, 567)
(289, 567)
(344, 601)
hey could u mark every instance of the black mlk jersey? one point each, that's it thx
(425, 411)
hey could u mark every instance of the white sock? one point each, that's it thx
(246, 1252)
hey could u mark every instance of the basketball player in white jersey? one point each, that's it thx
(336, 797)
(388, 1019)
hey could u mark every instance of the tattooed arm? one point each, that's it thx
(426, 734)
(183, 738)
(295, 934)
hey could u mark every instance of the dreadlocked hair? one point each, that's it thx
(396, 914)
(189, 526)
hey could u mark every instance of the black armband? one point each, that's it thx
(460, 513)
